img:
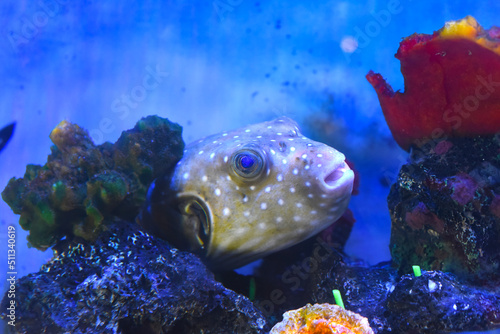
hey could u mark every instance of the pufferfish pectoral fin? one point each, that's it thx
(195, 223)
(181, 219)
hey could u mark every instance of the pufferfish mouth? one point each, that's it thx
(339, 175)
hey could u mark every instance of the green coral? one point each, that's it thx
(82, 184)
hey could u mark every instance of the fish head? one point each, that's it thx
(249, 192)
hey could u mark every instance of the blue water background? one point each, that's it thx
(220, 65)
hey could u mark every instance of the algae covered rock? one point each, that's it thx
(127, 281)
(82, 184)
(445, 208)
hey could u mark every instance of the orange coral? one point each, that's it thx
(322, 319)
(452, 85)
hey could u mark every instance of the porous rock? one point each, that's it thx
(128, 282)
(438, 302)
(444, 209)
(435, 302)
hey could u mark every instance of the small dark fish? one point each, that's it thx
(5, 134)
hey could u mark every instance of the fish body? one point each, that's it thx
(237, 196)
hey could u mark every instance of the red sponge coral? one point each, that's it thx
(452, 85)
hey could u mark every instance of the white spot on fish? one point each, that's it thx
(319, 155)
(185, 176)
(323, 195)
(224, 134)
(247, 130)
(308, 184)
(268, 189)
(313, 212)
(263, 206)
(279, 133)
(281, 202)
(273, 152)
(292, 149)
(258, 137)
(322, 205)
(262, 226)
(279, 219)
(296, 218)
(290, 139)
(226, 212)
(306, 167)
(310, 195)
(245, 198)
(269, 127)
(299, 205)
(295, 171)
(284, 161)
(214, 142)
(304, 156)
(228, 177)
(204, 178)
(279, 177)
(225, 158)
(246, 213)
(212, 155)
(201, 152)
(252, 187)
(217, 192)
(292, 189)
(319, 165)
(236, 136)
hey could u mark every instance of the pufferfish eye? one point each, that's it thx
(248, 163)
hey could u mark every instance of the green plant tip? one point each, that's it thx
(251, 289)
(417, 271)
(338, 298)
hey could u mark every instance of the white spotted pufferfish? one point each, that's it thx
(237, 196)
